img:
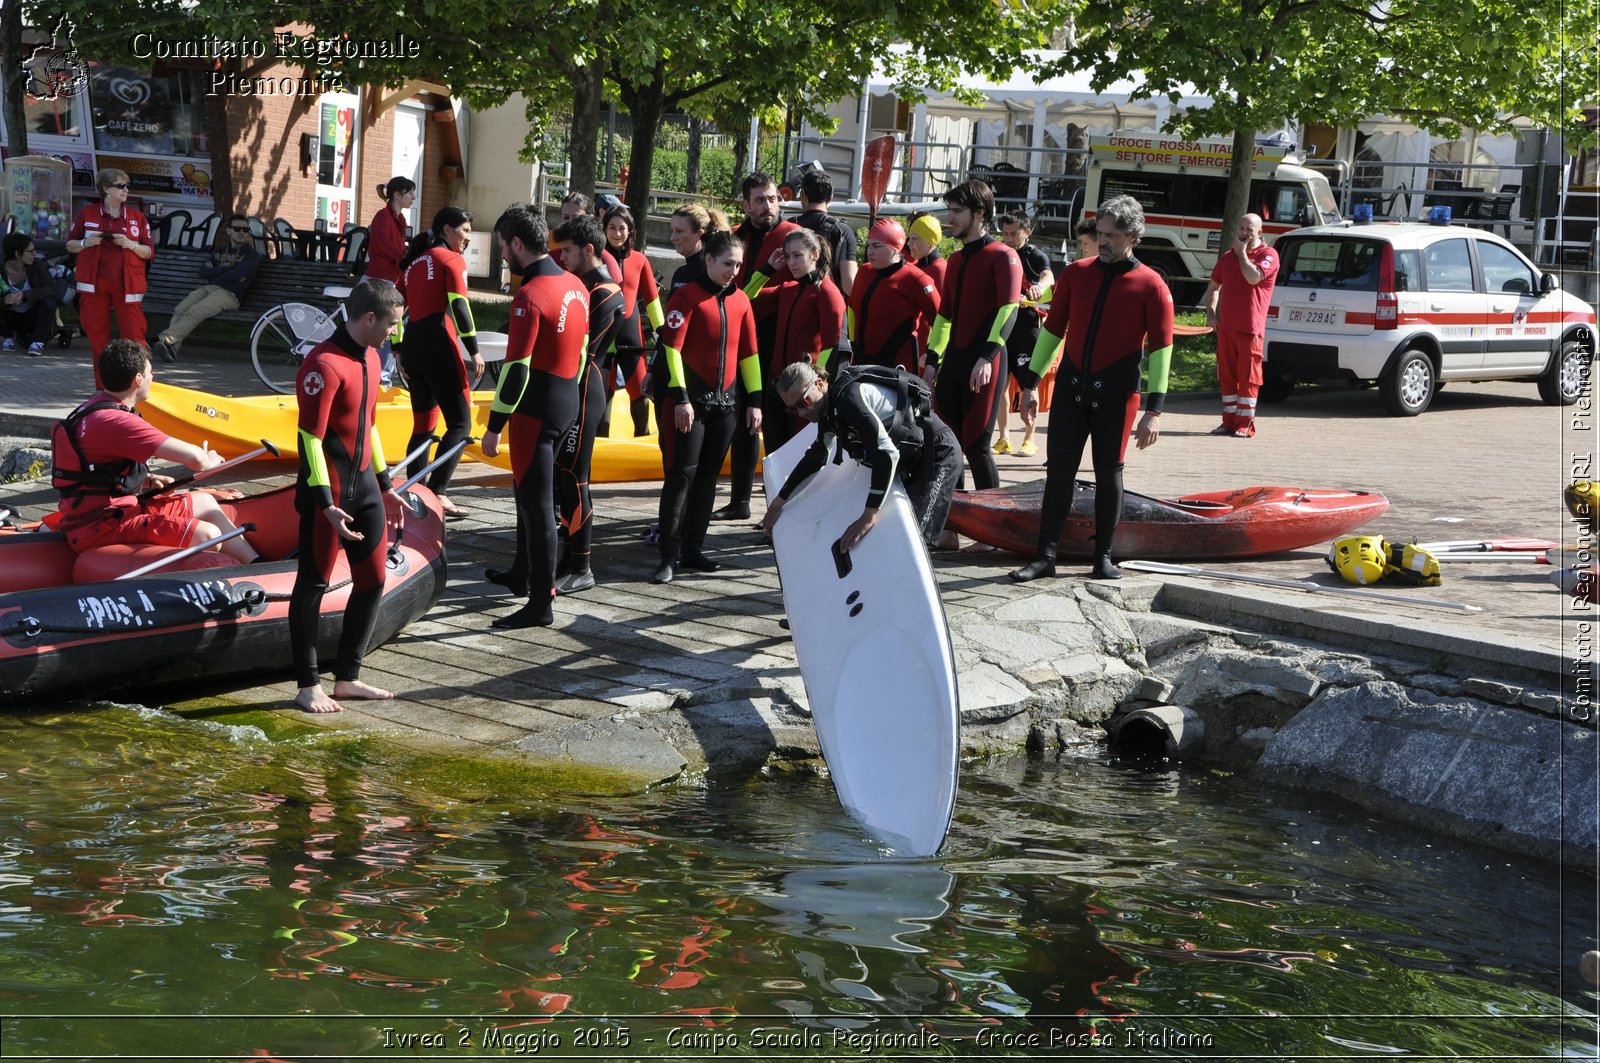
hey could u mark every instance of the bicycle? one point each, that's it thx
(286, 333)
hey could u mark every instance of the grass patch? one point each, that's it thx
(1194, 359)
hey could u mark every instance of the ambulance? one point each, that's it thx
(1182, 185)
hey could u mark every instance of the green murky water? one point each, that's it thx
(174, 888)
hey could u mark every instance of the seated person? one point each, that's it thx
(228, 274)
(28, 296)
(99, 456)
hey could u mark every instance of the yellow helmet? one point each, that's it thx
(1412, 564)
(1360, 559)
(1583, 501)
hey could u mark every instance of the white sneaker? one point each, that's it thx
(36, 349)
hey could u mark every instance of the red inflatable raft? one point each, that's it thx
(69, 627)
(1246, 522)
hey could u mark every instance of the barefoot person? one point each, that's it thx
(343, 494)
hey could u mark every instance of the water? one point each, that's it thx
(177, 888)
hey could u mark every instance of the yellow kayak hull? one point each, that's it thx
(236, 425)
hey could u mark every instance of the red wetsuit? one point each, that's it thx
(439, 329)
(891, 312)
(709, 342)
(341, 464)
(977, 310)
(934, 266)
(755, 275)
(538, 396)
(642, 300)
(1110, 314)
(111, 280)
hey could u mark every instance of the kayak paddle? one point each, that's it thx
(204, 474)
(188, 551)
(1293, 584)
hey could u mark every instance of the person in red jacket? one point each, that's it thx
(114, 246)
(761, 234)
(440, 339)
(386, 246)
(892, 305)
(98, 465)
(709, 349)
(538, 400)
(810, 320)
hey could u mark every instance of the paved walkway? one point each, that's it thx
(1487, 461)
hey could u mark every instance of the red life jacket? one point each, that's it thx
(71, 472)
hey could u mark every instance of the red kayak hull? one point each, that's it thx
(1245, 522)
(76, 631)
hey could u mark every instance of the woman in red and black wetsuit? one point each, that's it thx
(810, 320)
(439, 337)
(892, 305)
(642, 301)
(709, 344)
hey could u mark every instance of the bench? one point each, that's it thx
(175, 273)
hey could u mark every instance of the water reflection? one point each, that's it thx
(155, 866)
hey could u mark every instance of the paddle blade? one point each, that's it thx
(876, 164)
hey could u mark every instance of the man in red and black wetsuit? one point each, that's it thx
(342, 494)
(538, 398)
(1110, 309)
(762, 235)
(580, 241)
(977, 310)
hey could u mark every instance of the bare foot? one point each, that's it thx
(355, 688)
(315, 699)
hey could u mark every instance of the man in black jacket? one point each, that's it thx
(228, 274)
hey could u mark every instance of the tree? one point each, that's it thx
(1439, 63)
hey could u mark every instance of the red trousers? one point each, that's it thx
(94, 313)
(1239, 374)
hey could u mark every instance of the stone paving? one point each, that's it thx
(1488, 460)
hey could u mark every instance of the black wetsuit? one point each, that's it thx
(575, 449)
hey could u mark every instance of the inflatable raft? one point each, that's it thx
(69, 627)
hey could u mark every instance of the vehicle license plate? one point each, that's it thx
(1311, 315)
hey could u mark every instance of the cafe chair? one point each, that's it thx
(283, 235)
(355, 250)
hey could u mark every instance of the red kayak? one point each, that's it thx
(1246, 522)
(69, 627)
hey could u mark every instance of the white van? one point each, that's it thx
(1182, 185)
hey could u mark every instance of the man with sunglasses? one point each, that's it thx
(884, 418)
(114, 248)
(228, 274)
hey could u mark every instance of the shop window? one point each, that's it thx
(147, 115)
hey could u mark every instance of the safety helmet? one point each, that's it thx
(1583, 501)
(1410, 563)
(1360, 559)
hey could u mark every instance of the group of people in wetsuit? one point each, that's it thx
(905, 375)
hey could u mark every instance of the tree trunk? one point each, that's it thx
(1237, 203)
(587, 88)
(691, 176)
(219, 144)
(646, 105)
(13, 79)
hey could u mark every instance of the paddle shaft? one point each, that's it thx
(188, 551)
(1293, 584)
(203, 474)
(438, 459)
(1488, 545)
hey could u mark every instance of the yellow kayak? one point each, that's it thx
(236, 425)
